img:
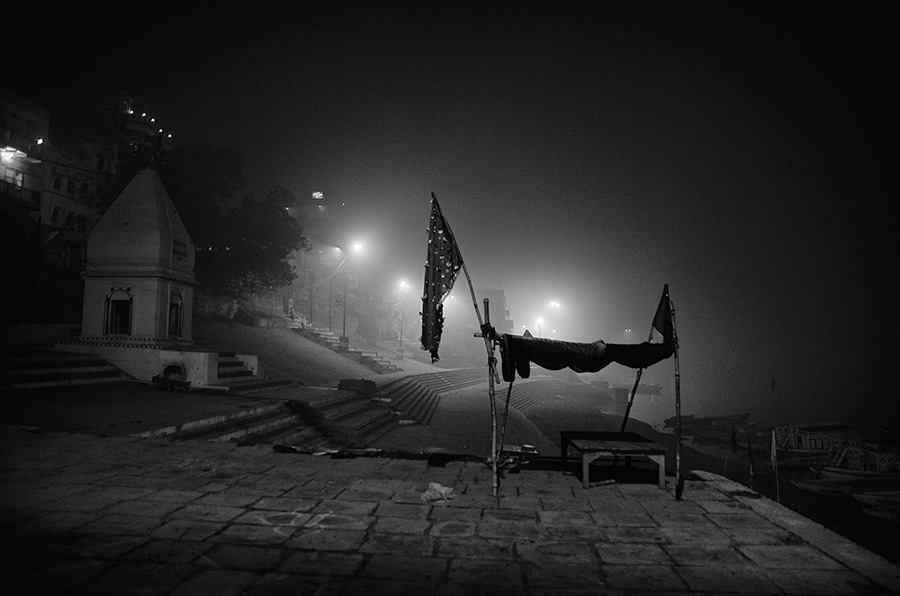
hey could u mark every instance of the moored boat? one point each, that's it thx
(846, 486)
(823, 487)
(836, 472)
(890, 513)
(879, 498)
(813, 443)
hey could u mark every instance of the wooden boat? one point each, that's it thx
(870, 454)
(835, 472)
(846, 486)
(879, 498)
(890, 513)
(826, 488)
(805, 444)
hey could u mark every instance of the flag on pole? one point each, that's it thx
(662, 321)
(442, 266)
(773, 455)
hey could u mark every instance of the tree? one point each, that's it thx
(241, 246)
(263, 236)
(202, 180)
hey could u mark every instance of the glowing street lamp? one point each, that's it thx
(403, 289)
(355, 247)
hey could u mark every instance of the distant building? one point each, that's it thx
(58, 174)
(23, 129)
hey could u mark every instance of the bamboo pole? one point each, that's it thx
(637, 380)
(679, 479)
(486, 334)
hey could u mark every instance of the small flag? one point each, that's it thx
(734, 442)
(774, 453)
(662, 321)
(441, 269)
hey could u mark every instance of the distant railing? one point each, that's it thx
(22, 197)
(19, 141)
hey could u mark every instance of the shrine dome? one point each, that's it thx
(141, 234)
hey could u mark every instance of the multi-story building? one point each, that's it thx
(23, 129)
(57, 178)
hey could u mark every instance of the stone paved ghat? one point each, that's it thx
(123, 515)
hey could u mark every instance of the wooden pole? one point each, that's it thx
(774, 456)
(486, 334)
(679, 479)
(637, 380)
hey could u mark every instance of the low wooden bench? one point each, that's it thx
(595, 444)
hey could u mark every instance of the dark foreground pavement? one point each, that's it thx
(82, 513)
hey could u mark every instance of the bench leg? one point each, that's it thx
(661, 464)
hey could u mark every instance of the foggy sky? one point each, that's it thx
(587, 153)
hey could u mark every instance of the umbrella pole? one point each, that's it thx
(631, 398)
(637, 381)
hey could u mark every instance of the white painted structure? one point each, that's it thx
(139, 288)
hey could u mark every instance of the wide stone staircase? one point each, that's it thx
(28, 367)
(325, 419)
(416, 397)
(369, 358)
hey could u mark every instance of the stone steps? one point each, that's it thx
(418, 396)
(346, 419)
(368, 358)
(33, 368)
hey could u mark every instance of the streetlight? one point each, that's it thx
(344, 342)
(403, 288)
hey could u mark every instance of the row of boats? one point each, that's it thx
(839, 460)
(878, 494)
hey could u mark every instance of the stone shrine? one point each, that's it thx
(139, 289)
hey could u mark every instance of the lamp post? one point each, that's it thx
(403, 287)
(345, 339)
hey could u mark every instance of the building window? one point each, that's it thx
(70, 187)
(176, 314)
(57, 183)
(14, 177)
(54, 215)
(119, 311)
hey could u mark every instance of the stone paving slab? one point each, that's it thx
(121, 515)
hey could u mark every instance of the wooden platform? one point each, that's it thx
(596, 444)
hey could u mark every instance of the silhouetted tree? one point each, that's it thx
(202, 181)
(241, 246)
(262, 238)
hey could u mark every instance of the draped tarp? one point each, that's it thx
(517, 352)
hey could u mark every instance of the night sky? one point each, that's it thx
(587, 153)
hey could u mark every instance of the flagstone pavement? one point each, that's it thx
(87, 514)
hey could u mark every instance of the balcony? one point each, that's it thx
(18, 197)
(23, 147)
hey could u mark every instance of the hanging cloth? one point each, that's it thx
(517, 352)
